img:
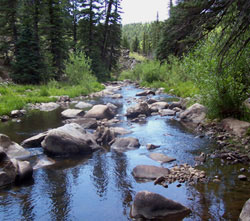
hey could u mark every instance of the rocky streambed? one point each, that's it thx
(120, 154)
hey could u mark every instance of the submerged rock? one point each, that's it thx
(149, 172)
(153, 206)
(125, 143)
(152, 146)
(245, 212)
(69, 139)
(100, 112)
(162, 158)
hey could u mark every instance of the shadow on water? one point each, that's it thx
(101, 187)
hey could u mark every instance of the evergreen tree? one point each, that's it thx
(135, 45)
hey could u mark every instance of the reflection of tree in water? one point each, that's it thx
(222, 200)
(122, 179)
(100, 173)
(58, 190)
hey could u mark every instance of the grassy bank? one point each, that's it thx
(197, 75)
(17, 96)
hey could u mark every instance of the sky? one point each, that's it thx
(135, 11)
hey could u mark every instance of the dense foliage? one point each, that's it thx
(37, 37)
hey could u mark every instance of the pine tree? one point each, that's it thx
(135, 45)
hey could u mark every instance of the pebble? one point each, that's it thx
(242, 177)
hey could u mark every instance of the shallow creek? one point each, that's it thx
(101, 186)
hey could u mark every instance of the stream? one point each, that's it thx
(101, 187)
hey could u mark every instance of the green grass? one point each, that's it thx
(137, 56)
(17, 96)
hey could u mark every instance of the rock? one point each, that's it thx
(158, 106)
(100, 112)
(160, 90)
(48, 106)
(64, 98)
(149, 172)
(153, 206)
(151, 101)
(236, 127)
(125, 143)
(201, 158)
(4, 118)
(120, 131)
(3, 156)
(145, 93)
(104, 135)
(86, 123)
(242, 169)
(167, 112)
(116, 96)
(69, 139)
(245, 212)
(44, 162)
(34, 141)
(247, 103)
(12, 149)
(24, 170)
(135, 111)
(242, 177)
(194, 114)
(152, 146)
(159, 157)
(112, 107)
(175, 104)
(5, 179)
(216, 180)
(72, 113)
(83, 105)
(159, 180)
(17, 113)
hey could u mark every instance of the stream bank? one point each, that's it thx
(94, 186)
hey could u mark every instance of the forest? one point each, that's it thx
(201, 51)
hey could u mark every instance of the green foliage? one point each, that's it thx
(137, 56)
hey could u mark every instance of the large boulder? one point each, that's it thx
(162, 158)
(34, 141)
(125, 143)
(86, 123)
(135, 111)
(12, 149)
(149, 172)
(152, 206)
(145, 93)
(24, 171)
(69, 139)
(72, 113)
(236, 127)
(100, 112)
(245, 212)
(195, 114)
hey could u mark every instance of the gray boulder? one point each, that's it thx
(120, 131)
(69, 139)
(135, 111)
(162, 158)
(12, 149)
(245, 212)
(125, 143)
(149, 172)
(195, 114)
(152, 206)
(236, 127)
(34, 141)
(72, 113)
(83, 105)
(100, 112)
(24, 170)
(175, 104)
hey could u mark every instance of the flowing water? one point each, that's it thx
(101, 187)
